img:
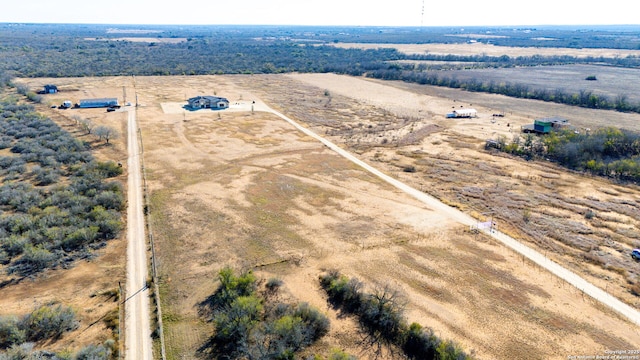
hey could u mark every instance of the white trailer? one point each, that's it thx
(463, 113)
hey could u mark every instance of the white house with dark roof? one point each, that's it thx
(208, 102)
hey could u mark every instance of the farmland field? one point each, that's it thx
(287, 206)
(611, 81)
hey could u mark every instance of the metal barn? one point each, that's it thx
(98, 103)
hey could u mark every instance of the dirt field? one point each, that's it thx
(243, 188)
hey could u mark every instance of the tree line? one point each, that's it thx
(609, 152)
(584, 98)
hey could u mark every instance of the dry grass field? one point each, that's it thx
(247, 190)
(611, 81)
(243, 188)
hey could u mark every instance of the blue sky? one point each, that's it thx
(325, 12)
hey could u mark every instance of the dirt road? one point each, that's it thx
(137, 325)
(531, 254)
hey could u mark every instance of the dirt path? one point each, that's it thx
(531, 254)
(137, 325)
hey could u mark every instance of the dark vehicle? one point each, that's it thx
(110, 109)
(635, 254)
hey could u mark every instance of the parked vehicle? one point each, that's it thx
(635, 254)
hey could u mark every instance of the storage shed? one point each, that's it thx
(98, 103)
(208, 102)
(542, 126)
(546, 125)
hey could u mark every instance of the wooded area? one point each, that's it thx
(55, 201)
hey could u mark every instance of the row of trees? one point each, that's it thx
(381, 316)
(253, 323)
(584, 98)
(55, 202)
(609, 151)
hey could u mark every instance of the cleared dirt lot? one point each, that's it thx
(245, 189)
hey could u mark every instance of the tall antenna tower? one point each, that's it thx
(422, 15)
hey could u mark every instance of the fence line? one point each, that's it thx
(154, 269)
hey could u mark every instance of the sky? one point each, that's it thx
(325, 12)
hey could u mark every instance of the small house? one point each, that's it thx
(208, 102)
(98, 103)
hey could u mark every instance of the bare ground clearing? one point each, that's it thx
(245, 189)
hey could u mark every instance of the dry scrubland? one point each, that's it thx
(90, 287)
(245, 189)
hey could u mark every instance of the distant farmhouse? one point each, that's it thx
(98, 103)
(49, 89)
(208, 102)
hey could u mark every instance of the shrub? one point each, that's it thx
(420, 343)
(10, 333)
(316, 324)
(94, 352)
(273, 284)
(110, 200)
(80, 237)
(248, 326)
(382, 314)
(34, 259)
(343, 291)
(232, 325)
(22, 89)
(338, 354)
(49, 322)
(232, 286)
(108, 169)
(589, 215)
